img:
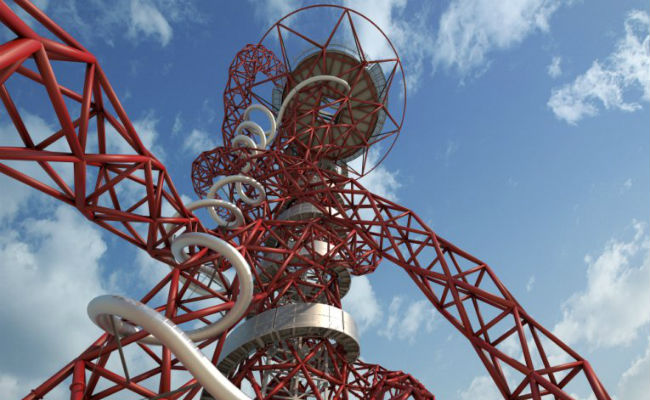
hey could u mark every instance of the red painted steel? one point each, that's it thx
(340, 380)
(118, 184)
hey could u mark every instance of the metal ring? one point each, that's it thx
(286, 322)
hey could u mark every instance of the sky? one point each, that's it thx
(525, 143)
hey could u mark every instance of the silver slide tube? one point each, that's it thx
(207, 375)
(238, 310)
(299, 86)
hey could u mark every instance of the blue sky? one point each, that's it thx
(525, 143)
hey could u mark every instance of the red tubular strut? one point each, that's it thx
(315, 227)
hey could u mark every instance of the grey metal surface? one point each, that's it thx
(377, 77)
(300, 212)
(287, 322)
(306, 211)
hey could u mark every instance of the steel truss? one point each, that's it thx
(313, 226)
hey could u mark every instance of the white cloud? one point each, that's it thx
(15, 193)
(482, 387)
(634, 383)
(136, 20)
(13, 387)
(530, 283)
(626, 69)
(451, 148)
(380, 181)
(197, 142)
(575, 101)
(272, 10)
(361, 303)
(470, 30)
(418, 314)
(554, 69)
(9, 387)
(384, 14)
(149, 271)
(619, 277)
(178, 124)
(409, 32)
(627, 185)
(405, 323)
(146, 128)
(599, 315)
(447, 152)
(51, 269)
(147, 20)
(393, 317)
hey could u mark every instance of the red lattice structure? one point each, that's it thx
(287, 200)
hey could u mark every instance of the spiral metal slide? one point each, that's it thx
(103, 310)
(296, 342)
(208, 376)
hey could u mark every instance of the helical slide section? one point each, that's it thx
(105, 310)
(209, 331)
(208, 376)
(265, 138)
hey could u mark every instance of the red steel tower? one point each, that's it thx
(259, 288)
